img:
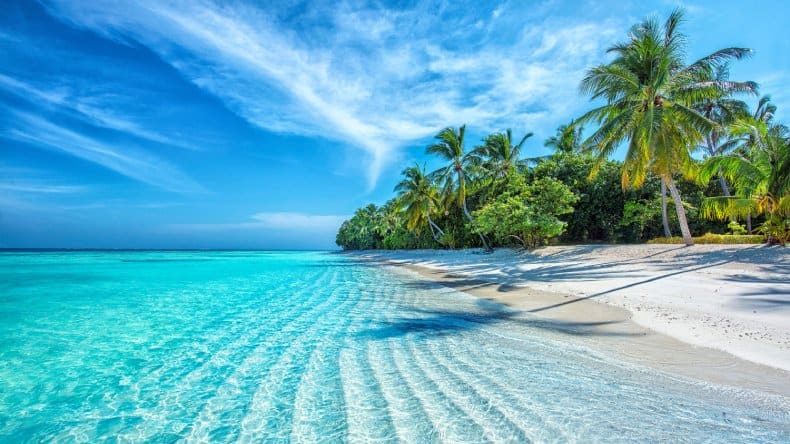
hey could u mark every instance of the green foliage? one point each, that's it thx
(759, 168)
(736, 228)
(640, 214)
(651, 97)
(600, 206)
(359, 232)
(776, 229)
(656, 105)
(567, 140)
(710, 238)
(497, 157)
(526, 212)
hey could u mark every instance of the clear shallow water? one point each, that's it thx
(254, 346)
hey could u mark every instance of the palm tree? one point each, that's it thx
(450, 148)
(567, 140)
(724, 110)
(664, 211)
(369, 214)
(498, 156)
(765, 109)
(649, 95)
(388, 218)
(763, 114)
(419, 195)
(760, 171)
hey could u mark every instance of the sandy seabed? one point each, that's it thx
(719, 313)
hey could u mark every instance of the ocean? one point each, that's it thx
(257, 346)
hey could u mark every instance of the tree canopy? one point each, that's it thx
(663, 110)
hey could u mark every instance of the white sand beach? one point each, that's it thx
(726, 297)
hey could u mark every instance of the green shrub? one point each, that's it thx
(710, 238)
(526, 212)
(777, 229)
(736, 228)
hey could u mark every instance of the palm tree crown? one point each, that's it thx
(497, 156)
(420, 197)
(759, 168)
(450, 148)
(567, 140)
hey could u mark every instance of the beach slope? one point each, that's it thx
(727, 297)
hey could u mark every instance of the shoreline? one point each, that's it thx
(616, 328)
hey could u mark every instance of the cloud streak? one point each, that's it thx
(86, 108)
(276, 221)
(126, 160)
(28, 187)
(368, 76)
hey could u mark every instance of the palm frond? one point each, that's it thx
(721, 208)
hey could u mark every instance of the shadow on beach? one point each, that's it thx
(447, 322)
(575, 265)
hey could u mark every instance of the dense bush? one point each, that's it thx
(597, 214)
(601, 211)
(710, 238)
(526, 212)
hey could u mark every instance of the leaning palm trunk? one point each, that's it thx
(434, 229)
(466, 210)
(724, 188)
(684, 225)
(469, 218)
(713, 152)
(664, 216)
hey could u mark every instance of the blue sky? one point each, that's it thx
(229, 125)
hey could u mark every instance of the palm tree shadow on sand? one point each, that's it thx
(428, 323)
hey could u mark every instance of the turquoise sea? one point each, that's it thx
(310, 346)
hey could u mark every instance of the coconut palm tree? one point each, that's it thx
(369, 214)
(765, 109)
(418, 194)
(763, 114)
(497, 156)
(760, 171)
(721, 108)
(450, 148)
(388, 218)
(567, 140)
(649, 94)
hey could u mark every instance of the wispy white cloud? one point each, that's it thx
(372, 77)
(126, 160)
(91, 109)
(299, 221)
(32, 187)
(275, 221)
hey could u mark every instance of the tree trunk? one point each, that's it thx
(466, 211)
(433, 232)
(523, 242)
(469, 217)
(749, 223)
(434, 226)
(684, 225)
(724, 188)
(664, 216)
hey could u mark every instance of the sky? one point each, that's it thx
(200, 124)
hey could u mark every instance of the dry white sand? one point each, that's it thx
(726, 297)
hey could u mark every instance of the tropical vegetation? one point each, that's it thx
(687, 133)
